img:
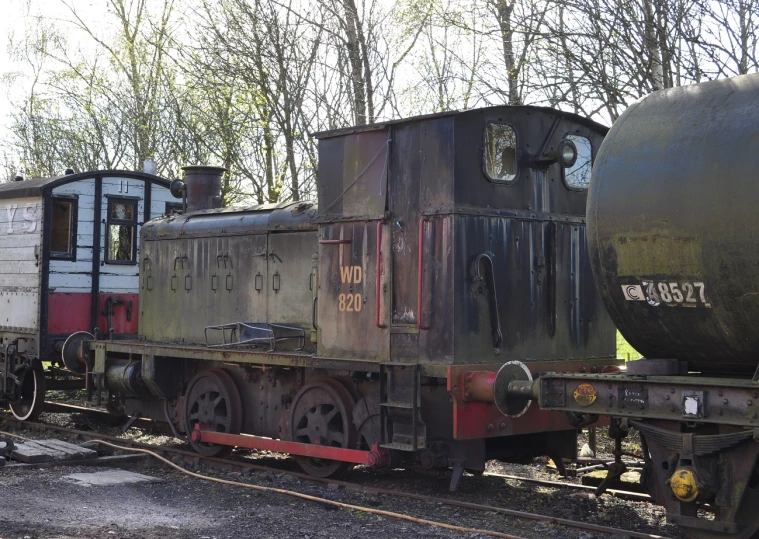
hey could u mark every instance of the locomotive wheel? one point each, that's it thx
(322, 414)
(366, 418)
(213, 401)
(32, 395)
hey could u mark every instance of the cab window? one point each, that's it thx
(578, 175)
(500, 152)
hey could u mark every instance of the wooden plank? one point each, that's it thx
(15, 267)
(49, 450)
(110, 461)
(22, 280)
(126, 187)
(20, 214)
(19, 308)
(81, 187)
(60, 281)
(20, 240)
(82, 265)
(119, 283)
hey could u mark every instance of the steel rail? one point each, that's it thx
(157, 425)
(224, 463)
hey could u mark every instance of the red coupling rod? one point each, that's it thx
(376, 457)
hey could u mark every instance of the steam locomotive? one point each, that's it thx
(367, 327)
(442, 304)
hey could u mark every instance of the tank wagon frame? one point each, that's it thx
(369, 328)
(673, 248)
(54, 284)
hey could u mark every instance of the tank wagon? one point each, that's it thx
(673, 246)
(53, 283)
(368, 328)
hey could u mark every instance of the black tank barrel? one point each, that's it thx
(673, 224)
(203, 184)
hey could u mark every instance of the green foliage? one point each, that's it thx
(624, 350)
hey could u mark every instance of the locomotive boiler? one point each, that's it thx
(369, 328)
(673, 249)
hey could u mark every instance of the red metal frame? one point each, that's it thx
(378, 291)
(420, 276)
(376, 457)
(473, 418)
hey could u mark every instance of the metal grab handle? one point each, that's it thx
(420, 276)
(495, 319)
(378, 291)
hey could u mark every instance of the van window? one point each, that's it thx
(578, 175)
(62, 239)
(121, 233)
(500, 152)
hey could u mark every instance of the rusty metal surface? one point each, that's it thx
(236, 355)
(347, 305)
(368, 458)
(725, 478)
(725, 401)
(218, 268)
(473, 420)
(443, 214)
(232, 221)
(673, 203)
(203, 187)
(353, 173)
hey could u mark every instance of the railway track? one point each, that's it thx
(242, 466)
(157, 426)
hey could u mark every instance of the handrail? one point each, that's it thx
(378, 289)
(420, 275)
(495, 319)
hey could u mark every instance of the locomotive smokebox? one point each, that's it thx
(673, 225)
(203, 185)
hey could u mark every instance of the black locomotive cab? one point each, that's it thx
(482, 218)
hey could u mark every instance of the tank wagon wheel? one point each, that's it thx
(322, 413)
(32, 395)
(747, 516)
(213, 401)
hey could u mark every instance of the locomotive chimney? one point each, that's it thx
(203, 186)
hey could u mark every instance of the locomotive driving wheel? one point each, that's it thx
(28, 406)
(322, 414)
(214, 402)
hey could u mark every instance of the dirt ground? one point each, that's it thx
(44, 504)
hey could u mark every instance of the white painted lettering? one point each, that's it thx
(11, 214)
(30, 216)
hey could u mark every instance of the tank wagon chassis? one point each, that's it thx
(680, 285)
(699, 437)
